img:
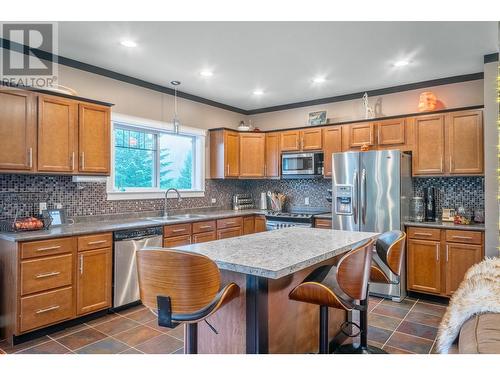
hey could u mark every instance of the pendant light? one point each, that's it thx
(175, 120)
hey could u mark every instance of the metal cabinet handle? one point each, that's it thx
(47, 309)
(81, 264)
(355, 198)
(227, 169)
(451, 164)
(205, 226)
(48, 274)
(441, 165)
(265, 170)
(73, 161)
(423, 234)
(438, 248)
(446, 253)
(462, 237)
(48, 248)
(30, 157)
(363, 193)
(178, 230)
(230, 222)
(83, 160)
(96, 242)
(297, 143)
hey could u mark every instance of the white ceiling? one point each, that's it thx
(281, 58)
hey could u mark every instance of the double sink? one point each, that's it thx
(162, 219)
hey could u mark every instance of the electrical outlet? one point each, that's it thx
(214, 201)
(306, 201)
(42, 206)
(59, 206)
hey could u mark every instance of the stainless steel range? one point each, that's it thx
(294, 218)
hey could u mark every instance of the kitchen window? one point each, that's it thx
(148, 158)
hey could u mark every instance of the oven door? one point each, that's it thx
(300, 164)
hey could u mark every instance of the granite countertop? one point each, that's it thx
(445, 225)
(96, 224)
(278, 253)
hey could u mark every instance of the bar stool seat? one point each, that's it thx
(182, 287)
(388, 259)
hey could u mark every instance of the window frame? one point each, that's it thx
(143, 124)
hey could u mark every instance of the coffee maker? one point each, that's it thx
(430, 204)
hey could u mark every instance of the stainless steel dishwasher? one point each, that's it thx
(127, 242)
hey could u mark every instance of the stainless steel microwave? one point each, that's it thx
(302, 165)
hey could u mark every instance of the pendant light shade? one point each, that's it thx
(175, 121)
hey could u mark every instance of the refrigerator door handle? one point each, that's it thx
(363, 195)
(355, 196)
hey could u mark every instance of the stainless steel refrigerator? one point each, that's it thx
(371, 193)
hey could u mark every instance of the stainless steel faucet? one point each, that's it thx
(165, 207)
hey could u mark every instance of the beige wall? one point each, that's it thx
(452, 96)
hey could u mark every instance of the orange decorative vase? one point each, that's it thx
(427, 102)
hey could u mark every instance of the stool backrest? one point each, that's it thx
(390, 248)
(353, 271)
(190, 280)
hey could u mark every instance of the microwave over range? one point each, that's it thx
(302, 165)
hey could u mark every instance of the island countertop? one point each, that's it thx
(278, 253)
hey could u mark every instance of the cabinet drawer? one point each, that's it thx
(47, 273)
(464, 236)
(229, 232)
(177, 241)
(230, 222)
(323, 223)
(46, 308)
(95, 241)
(204, 237)
(204, 226)
(424, 233)
(47, 247)
(177, 230)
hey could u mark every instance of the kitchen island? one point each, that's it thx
(266, 266)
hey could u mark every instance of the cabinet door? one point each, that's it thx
(57, 119)
(428, 158)
(204, 237)
(17, 130)
(93, 280)
(260, 224)
(229, 232)
(94, 138)
(311, 139)
(232, 154)
(248, 225)
(424, 273)
(252, 155)
(361, 134)
(332, 142)
(177, 241)
(459, 258)
(272, 155)
(323, 223)
(465, 142)
(391, 132)
(290, 140)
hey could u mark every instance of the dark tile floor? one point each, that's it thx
(406, 327)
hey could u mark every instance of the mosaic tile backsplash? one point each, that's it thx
(22, 193)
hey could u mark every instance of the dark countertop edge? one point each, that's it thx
(116, 226)
(358, 121)
(441, 225)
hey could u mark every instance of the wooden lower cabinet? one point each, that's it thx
(249, 225)
(260, 224)
(437, 265)
(323, 223)
(229, 233)
(204, 237)
(93, 282)
(177, 241)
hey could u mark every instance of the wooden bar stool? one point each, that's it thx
(390, 252)
(182, 287)
(339, 287)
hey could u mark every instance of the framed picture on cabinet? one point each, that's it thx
(317, 118)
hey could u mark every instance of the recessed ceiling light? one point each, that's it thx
(401, 63)
(258, 92)
(206, 73)
(319, 79)
(128, 43)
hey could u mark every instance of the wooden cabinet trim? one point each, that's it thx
(176, 230)
(33, 249)
(95, 241)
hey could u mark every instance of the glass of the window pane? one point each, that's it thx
(176, 161)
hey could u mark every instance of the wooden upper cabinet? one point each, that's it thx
(252, 154)
(94, 280)
(332, 143)
(94, 138)
(57, 121)
(17, 130)
(391, 132)
(311, 139)
(424, 269)
(290, 140)
(465, 143)
(224, 153)
(361, 134)
(459, 258)
(428, 156)
(272, 155)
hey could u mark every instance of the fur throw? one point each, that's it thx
(478, 293)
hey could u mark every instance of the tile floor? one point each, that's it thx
(406, 327)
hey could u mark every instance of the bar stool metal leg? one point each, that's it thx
(323, 330)
(192, 338)
(363, 324)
